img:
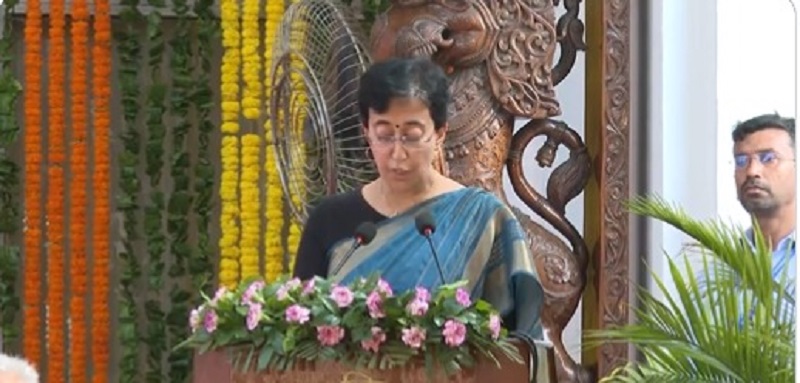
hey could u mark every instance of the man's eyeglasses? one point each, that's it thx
(766, 158)
(388, 141)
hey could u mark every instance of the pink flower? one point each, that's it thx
(194, 319)
(253, 316)
(218, 295)
(422, 294)
(454, 333)
(417, 307)
(342, 296)
(286, 288)
(414, 336)
(374, 343)
(329, 335)
(220, 292)
(375, 305)
(309, 287)
(210, 321)
(462, 297)
(294, 283)
(282, 293)
(297, 314)
(494, 326)
(251, 292)
(384, 288)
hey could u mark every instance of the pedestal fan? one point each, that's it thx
(318, 60)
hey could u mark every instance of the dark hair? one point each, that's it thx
(764, 121)
(405, 78)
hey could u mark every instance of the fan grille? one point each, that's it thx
(314, 104)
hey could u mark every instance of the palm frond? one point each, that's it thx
(727, 320)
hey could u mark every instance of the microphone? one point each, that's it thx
(364, 234)
(426, 226)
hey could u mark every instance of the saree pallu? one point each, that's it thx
(477, 239)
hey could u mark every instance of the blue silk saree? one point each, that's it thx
(477, 239)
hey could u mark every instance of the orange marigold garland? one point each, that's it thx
(77, 197)
(32, 256)
(56, 157)
(101, 249)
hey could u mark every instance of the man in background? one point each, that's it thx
(16, 370)
(764, 157)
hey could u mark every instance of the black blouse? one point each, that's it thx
(335, 218)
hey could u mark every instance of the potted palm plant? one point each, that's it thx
(737, 326)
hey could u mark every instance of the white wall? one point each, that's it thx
(570, 93)
(682, 116)
(713, 63)
(760, 78)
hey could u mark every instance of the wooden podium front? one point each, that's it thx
(215, 367)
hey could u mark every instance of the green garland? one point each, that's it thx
(10, 216)
(201, 264)
(129, 49)
(180, 199)
(156, 335)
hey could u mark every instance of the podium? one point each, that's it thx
(215, 367)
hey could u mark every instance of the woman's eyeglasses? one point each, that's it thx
(388, 141)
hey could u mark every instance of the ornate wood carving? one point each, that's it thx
(570, 39)
(499, 56)
(608, 137)
(616, 171)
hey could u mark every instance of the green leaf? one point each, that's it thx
(733, 328)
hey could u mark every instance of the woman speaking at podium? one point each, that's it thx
(465, 233)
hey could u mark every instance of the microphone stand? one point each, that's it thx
(350, 252)
(435, 256)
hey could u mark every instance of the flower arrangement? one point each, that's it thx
(273, 326)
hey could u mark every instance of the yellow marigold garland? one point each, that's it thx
(32, 136)
(249, 197)
(56, 158)
(250, 205)
(229, 216)
(298, 36)
(251, 60)
(101, 185)
(77, 196)
(273, 247)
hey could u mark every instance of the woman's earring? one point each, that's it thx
(440, 162)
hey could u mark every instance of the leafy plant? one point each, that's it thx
(181, 195)
(10, 214)
(275, 325)
(156, 334)
(738, 327)
(128, 200)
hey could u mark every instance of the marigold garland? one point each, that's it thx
(32, 235)
(249, 198)
(298, 36)
(251, 60)
(101, 249)
(273, 246)
(56, 156)
(250, 206)
(229, 178)
(77, 196)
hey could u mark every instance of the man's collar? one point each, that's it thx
(787, 242)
